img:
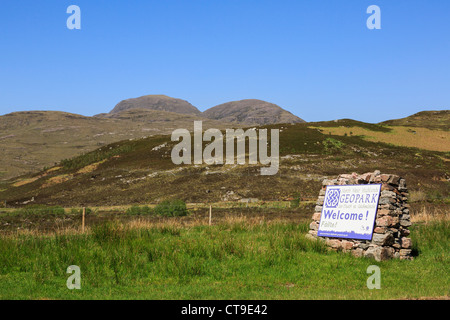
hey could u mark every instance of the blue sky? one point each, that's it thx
(316, 59)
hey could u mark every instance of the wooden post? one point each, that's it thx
(210, 214)
(82, 220)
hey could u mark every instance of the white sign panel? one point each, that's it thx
(349, 211)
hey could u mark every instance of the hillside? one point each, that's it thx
(141, 171)
(425, 119)
(251, 111)
(33, 140)
(157, 102)
(433, 138)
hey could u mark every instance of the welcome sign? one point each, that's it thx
(349, 211)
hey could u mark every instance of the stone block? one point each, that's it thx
(316, 216)
(383, 212)
(380, 230)
(346, 245)
(386, 193)
(394, 180)
(379, 253)
(404, 232)
(358, 252)
(406, 243)
(405, 216)
(384, 221)
(383, 239)
(387, 200)
(313, 226)
(405, 223)
(334, 243)
(313, 233)
(394, 222)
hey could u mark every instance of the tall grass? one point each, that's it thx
(114, 253)
(234, 259)
(167, 208)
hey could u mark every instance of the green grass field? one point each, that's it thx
(234, 259)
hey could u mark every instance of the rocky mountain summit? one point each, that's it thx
(156, 102)
(251, 111)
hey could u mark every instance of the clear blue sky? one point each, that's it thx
(316, 59)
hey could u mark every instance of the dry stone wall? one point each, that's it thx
(390, 237)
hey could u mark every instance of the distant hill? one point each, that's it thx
(157, 102)
(425, 119)
(32, 140)
(251, 111)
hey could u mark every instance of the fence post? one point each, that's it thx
(210, 214)
(82, 220)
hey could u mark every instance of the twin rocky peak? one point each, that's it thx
(249, 111)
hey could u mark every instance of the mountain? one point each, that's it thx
(251, 111)
(425, 119)
(157, 102)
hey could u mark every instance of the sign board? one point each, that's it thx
(349, 211)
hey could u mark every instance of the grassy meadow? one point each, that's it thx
(236, 258)
(423, 138)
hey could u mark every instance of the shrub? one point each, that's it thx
(174, 208)
(296, 201)
(74, 211)
(332, 145)
(137, 210)
(434, 196)
(41, 210)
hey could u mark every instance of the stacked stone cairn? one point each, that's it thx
(391, 235)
